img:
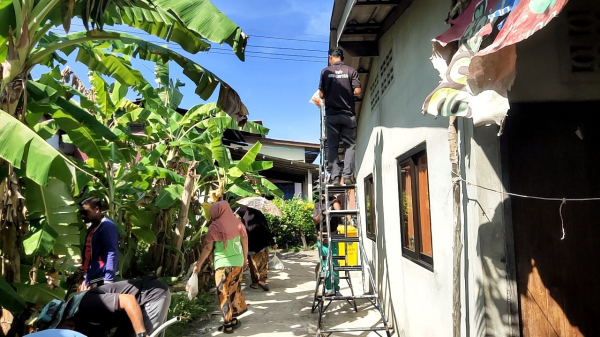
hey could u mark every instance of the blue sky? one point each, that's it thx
(275, 91)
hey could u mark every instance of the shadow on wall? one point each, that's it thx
(384, 285)
(491, 303)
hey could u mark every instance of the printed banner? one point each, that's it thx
(475, 83)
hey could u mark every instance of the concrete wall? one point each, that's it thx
(490, 299)
(541, 63)
(418, 301)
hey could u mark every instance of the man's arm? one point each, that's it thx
(128, 303)
(356, 84)
(321, 93)
(110, 249)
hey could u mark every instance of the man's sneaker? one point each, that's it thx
(336, 181)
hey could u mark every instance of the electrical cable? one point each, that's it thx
(287, 39)
(562, 200)
(177, 46)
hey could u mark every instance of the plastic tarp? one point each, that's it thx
(476, 57)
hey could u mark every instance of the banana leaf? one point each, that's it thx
(19, 144)
(10, 299)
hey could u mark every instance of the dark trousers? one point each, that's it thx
(340, 127)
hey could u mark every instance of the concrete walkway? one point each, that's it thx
(285, 310)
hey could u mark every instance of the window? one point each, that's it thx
(370, 208)
(414, 207)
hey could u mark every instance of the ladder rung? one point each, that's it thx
(337, 257)
(350, 298)
(342, 212)
(340, 188)
(344, 239)
(347, 268)
(370, 328)
(337, 278)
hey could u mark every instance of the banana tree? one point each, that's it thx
(25, 42)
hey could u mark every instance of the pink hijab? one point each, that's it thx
(225, 226)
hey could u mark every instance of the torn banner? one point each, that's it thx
(475, 81)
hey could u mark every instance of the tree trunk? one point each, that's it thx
(11, 259)
(457, 245)
(303, 238)
(11, 208)
(186, 198)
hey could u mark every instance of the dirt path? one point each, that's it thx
(285, 310)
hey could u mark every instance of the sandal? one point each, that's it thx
(229, 327)
(254, 286)
(263, 286)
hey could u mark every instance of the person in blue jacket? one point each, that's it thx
(101, 249)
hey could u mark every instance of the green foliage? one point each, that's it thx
(10, 299)
(295, 222)
(189, 311)
(139, 176)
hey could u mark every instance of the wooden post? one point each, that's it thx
(457, 245)
(186, 198)
(309, 184)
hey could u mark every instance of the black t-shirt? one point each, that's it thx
(99, 308)
(333, 221)
(337, 83)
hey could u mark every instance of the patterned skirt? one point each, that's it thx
(229, 289)
(259, 265)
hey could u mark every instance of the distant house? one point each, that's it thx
(293, 169)
(529, 266)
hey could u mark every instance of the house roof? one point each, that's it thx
(311, 150)
(357, 28)
(283, 169)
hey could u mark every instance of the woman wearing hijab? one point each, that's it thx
(259, 241)
(226, 244)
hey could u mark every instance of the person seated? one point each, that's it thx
(135, 307)
(319, 211)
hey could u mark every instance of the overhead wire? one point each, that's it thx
(288, 39)
(177, 46)
(272, 31)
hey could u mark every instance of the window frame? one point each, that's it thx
(370, 235)
(416, 256)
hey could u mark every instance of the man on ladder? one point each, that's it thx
(338, 85)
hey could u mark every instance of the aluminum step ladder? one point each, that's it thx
(321, 300)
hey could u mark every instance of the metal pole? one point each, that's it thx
(310, 186)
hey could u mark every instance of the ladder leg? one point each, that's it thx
(353, 303)
(316, 298)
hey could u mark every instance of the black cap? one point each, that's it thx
(337, 52)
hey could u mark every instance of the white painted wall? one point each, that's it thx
(280, 151)
(418, 301)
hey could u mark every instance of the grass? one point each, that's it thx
(189, 311)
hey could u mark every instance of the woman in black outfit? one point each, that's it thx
(260, 239)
